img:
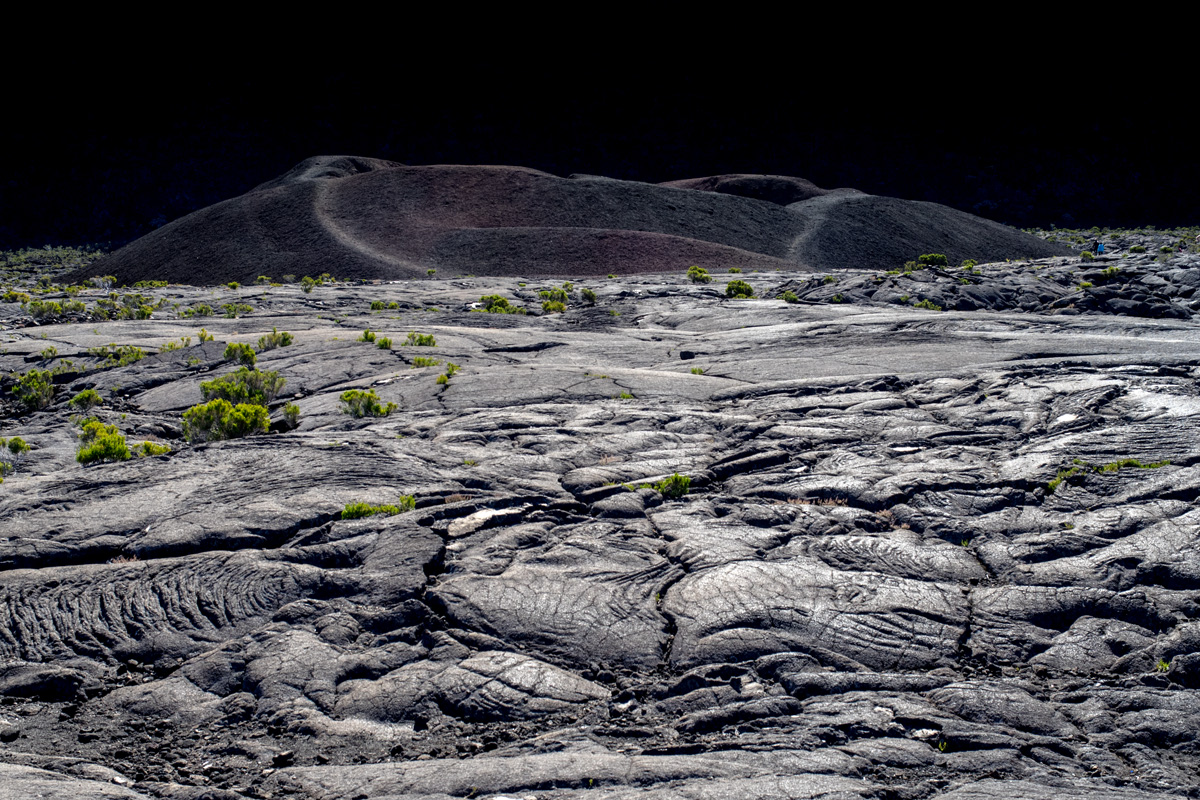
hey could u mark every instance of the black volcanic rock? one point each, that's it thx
(368, 218)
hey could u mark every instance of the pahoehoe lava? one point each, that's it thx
(920, 554)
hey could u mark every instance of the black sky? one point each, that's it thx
(109, 155)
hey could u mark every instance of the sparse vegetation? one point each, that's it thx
(697, 274)
(383, 343)
(34, 389)
(291, 414)
(360, 403)
(244, 386)
(275, 338)
(99, 442)
(422, 361)
(420, 340)
(360, 510)
(553, 307)
(498, 304)
(86, 400)
(367, 336)
(789, 297)
(151, 449)
(241, 353)
(219, 419)
(933, 260)
(928, 305)
(117, 356)
(738, 289)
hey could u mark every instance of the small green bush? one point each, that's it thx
(674, 487)
(969, 263)
(553, 307)
(200, 310)
(204, 336)
(1137, 248)
(86, 400)
(307, 284)
(1086, 256)
(16, 446)
(367, 336)
(422, 361)
(589, 296)
(359, 403)
(933, 260)
(34, 389)
(118, 356)
(928, 305)
(383, 343)
(235, 310)
(420, 340)
(443, 379)
(735, 270)
(244, 386)
(789, 297)
(738, 290)
(100, 442)
(234, 285)
(291, 414)
(698, 274)
(498, 304)
(241, 353)
(697, 370)
(219, 419)
(407, 502)
(151, 449)
(360, 510)
(274, 339)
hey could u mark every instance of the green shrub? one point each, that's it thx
(291, 414)
(789, 297)
(407, 502)
(739, 289)
(553, 295)
(553, 307)
(16, 446)
(829, 279)
(383, 343)
(735, 270)
(34, 389)
(184, 341)
(360, 510)
(1137, 248)
(358, 403)
(367, 336)
(201, 310)
(150, 285)
(933, 260)
(244, 386)
(39, 309)
(240, 352)
(698, 274)
(589, 296)
(86, 400)
(1086, 256)
(274, 339)
(422, 361)
(219, 419)
(697, 370)
(117, 356)
(498, 304)
(377, 305)
(151, 449)
(969, 263)
(204, 336)
(674, 487)
(928, 305)
(307, 284)
(234, 285)
(443, 379)
(100, 442)
(420, 340)
(48, 353)
(235, 310)
(13, 296)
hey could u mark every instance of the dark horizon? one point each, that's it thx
(94, 163)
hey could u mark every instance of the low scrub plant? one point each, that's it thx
(928, 305)
(738, 289)
(698, 274)
(589, 296)
(34, 390)
(241, 353)
(291, 414)
(117, 355)
(554, 295)
(736, 270)
(359, 403)
(199, 310)
(789, 297)
(553, 307)
(275, 338)
(367, 336)
(420, 340)
(383, 343)
(244, 386)
(86, 400)
(422, 361)
(219, 419)
(933, 260)
(235, 310)
(498, 304)
(151, 449)
(99, 443)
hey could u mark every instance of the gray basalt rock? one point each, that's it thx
(919, 554)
